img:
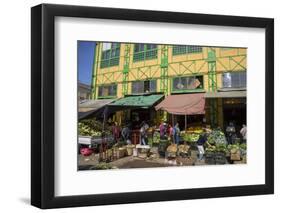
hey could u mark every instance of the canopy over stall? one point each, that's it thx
(136, 101)
(184, 104)
(92, 107)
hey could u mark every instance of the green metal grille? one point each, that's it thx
(181, 49)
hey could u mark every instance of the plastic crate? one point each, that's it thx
(210, 158)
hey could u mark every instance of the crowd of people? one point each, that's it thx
(168, 131)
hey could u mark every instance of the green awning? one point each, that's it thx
(143, 101)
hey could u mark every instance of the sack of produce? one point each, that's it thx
(235, 156)
(86, 151)
(130, 149)
(172, 148)
(121, 152)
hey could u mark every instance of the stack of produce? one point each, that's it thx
(216, 153)
(235, 153)
(130, 148)
(156, 137)
(217, 137)
(183, 150)
(191, 137)
(85, 130)
(195, 129)
(172, 150)
(92, 127)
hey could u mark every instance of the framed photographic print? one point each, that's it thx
(136, 106)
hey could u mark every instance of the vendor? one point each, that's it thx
(176, 134)
(125, 133)
(201, 141)
(163, 130)
(143, 133)
(115, 132)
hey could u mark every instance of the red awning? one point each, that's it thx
(185, 104)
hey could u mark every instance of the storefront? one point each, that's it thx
(230, 106)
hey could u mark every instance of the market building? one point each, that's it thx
(186, 84)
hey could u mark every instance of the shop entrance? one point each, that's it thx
(235, 111)
(140, 115)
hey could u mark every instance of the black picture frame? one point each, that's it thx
(43, 102)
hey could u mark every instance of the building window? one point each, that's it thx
(110, 55)
(234, 80)
(106, 91)
(181, 49)
(187, 83)
(144, 52)
(143, 86)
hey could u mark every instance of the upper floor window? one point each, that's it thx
(110, 54)
(182, 49)
(187, 83)
(106, 91)
(143, 86)
(144, 52)
(234, 80)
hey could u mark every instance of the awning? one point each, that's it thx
(228, 94)
(137, 101)
(184, 104)
(92, 107)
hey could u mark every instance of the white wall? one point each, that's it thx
(15, 105)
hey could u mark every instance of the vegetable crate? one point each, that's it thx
(210, 158)
(220, 158)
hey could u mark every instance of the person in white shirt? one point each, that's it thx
(243, 132)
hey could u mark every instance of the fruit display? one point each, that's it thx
(195, 129)
(217, 137)
(92, 127)
(156, 137)
(222, 148)
(243, 146)
(211, 149)
(233, 148)
(190, 137)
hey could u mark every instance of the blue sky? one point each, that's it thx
(86, 54)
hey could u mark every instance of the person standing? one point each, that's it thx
(176, 134)
(143, 133)
(115, 132)
(126, 134)
(230, 133)
(200, 143)
(243, 132)
(162, 129)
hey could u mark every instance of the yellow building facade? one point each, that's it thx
(122, 69)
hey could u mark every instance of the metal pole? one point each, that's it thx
(185, 122)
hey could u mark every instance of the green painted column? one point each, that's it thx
(212, 86)
(126, 69)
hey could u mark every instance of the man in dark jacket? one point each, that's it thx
(200, 143)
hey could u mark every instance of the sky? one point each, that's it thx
(86, 53)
